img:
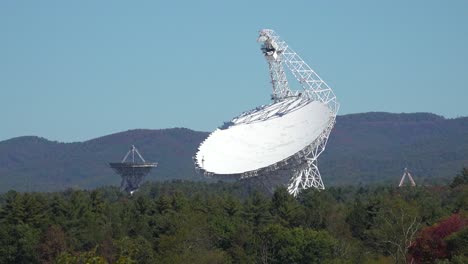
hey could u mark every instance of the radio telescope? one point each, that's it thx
(132, 172)
(406, 173)
(283, 138)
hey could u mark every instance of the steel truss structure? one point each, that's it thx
(132, 172)
(278, 53)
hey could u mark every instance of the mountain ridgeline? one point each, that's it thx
(363, 148)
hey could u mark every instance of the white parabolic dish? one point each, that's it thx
(264, 136)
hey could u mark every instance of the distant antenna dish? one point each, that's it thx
(132, 172)
(283, 138)
(405, 174)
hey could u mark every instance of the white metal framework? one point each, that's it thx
(277, 54)
(133, 150)
(402, 181)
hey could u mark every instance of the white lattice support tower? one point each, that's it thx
(277, 54)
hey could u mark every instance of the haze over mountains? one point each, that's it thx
(363, 149)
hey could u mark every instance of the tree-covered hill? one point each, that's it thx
(33, 163)
(376, 147)
(363, 148)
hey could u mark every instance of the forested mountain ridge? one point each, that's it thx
(376, 147)
(363, 148)
(33, 163)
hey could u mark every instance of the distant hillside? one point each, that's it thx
(376, 147)
(33, 163)
(363, 148)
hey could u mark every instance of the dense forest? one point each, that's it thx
(197, 222)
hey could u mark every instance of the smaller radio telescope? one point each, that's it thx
(281, 140)
(132, 172)
(402, 181)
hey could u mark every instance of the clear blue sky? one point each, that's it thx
(75, 70)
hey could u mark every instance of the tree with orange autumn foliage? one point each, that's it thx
(431, 245)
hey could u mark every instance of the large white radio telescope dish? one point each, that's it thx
(247, 147)
(288, 134)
